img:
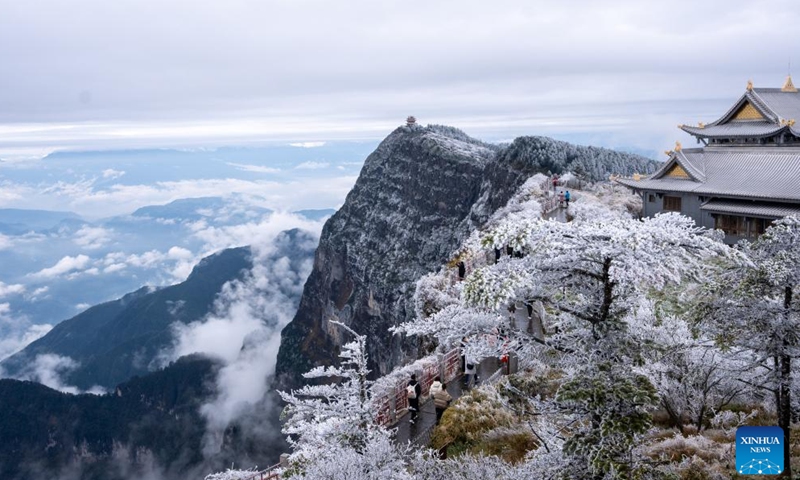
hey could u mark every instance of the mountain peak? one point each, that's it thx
(419, 195)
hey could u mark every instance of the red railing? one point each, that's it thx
(271, 473)
(452, 365)
(395, 401)
(429, 372)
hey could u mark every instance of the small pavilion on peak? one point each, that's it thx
(744, 174)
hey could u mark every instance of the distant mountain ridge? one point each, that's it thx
(148, 427)
(17, 221)
(116, 340)
(108, 340)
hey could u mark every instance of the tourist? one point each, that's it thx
(413, 392)
(470, 374)
(561, 198)
(566, 197)
(441, 399)
(435, 386)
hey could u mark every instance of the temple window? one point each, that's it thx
(672, 204)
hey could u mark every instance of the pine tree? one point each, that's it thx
(590, 275)
(753, 305)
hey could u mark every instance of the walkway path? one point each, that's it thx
(559, 214)
(419, 432)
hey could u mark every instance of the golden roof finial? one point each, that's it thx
(668, 153)
(636, 177)
(749, 85)
(788, 86)
(790, 122)
(678, 146)
(701, 125)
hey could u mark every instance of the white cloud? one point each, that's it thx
(66, 264)
(17, 332)
(177, 262)
(15, 341)
(36, 294)
(150, 259)
(11, 289)
(252, 233)
(583, 62)
(82, 306)
(5, 242)
(49, 369)
(121, 199)
(112, 174)
(244, 333)
(179, 253)
(254, 168)
(308, 144)
(93, 237)
(115, 267)
(312, 165)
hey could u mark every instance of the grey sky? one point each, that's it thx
(127, 73)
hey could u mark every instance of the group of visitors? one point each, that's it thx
(438, 392)
(563, 198)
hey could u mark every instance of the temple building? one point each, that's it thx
(745, 174)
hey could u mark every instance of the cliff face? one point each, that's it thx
(419, 195)
(404, 216)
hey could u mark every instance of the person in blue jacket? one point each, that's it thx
(566, 197)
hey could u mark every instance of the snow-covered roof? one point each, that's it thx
(736, 129)
(742, 172)
(772, 111)
(752, 209)
(784, 105)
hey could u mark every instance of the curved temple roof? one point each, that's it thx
(759, 113)
(742, 172)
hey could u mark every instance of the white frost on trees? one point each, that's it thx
(318, 417)
(754, 305)
(591, 275)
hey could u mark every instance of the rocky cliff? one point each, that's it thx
(419, 195)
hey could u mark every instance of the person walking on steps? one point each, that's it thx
(413, 392)
(561, 198)
(441, 399)
(566, 197)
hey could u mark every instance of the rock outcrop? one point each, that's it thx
(419, 195)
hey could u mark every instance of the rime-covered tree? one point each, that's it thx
(590, 275)
(318, 417)
(332, 426)
(695, 378)
(754, 305)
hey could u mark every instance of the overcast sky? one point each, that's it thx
(136, 73)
